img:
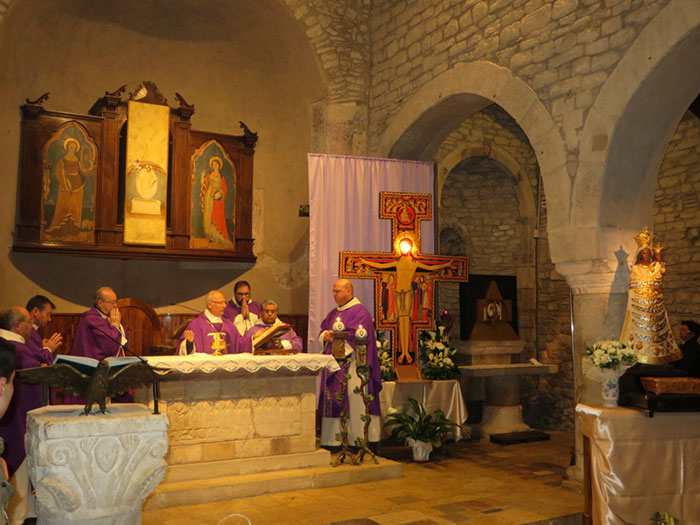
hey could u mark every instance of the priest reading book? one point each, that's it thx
(272, 336)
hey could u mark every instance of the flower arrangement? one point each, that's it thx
(436, 355)
(386, 362)
(606, 362)
(611, 354)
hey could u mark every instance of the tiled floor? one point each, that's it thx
(478, 483)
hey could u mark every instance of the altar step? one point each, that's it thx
(227, 487)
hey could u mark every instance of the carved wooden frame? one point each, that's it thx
(104, 124)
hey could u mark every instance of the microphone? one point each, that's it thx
(144, 361)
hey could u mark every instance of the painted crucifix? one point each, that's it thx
(404, 291)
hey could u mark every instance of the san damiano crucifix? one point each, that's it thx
(404, 290)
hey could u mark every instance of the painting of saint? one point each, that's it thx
(69, 185)
(213, 197)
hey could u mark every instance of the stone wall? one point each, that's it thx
(338, 31)
(548, 401)
(677, 221)
(481, 208)
(563, 49)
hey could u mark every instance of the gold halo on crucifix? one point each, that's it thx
(406, 244)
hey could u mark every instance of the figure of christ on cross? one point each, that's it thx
(401, 273)
(405, 266)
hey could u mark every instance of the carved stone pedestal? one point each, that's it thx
(491, 375)
(95, 469)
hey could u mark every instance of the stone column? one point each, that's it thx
(95, 469)
(599, 304)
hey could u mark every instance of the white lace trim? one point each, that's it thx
(252, 363)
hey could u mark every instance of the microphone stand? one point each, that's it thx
(144, 361)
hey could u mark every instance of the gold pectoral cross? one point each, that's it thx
(218, 342)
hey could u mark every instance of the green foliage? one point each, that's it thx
(419, 425)
(666, 519)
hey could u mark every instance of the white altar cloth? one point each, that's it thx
(444, 395)
(208, 363)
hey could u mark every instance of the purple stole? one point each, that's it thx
(232, 309)
(352, 318)
(202, 327)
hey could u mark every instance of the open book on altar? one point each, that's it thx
(87, 365)
(265, 338)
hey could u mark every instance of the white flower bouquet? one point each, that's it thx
(386, 361)
(436, 356)
(606, 358)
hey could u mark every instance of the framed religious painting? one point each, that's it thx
(474, 304)
(213, 204)
(132, 179)
(69, 161)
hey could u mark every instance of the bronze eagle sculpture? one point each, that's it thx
(95, 388)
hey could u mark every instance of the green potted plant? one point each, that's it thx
(420, 430)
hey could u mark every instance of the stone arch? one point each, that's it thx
(526, 200)
(446, 100)
(627, 131)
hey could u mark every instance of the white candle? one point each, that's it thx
(360, 333)
(338, 326)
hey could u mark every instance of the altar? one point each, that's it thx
(242, 425)
(635, 465)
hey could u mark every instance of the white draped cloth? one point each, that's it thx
(344, 215)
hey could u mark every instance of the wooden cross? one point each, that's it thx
(404, 289)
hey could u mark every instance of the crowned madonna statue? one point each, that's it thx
(646, 328)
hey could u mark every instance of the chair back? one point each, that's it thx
(141, 323)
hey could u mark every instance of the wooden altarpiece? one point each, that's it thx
(73, 181)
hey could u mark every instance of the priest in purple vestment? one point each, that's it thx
(240, 310)
(353, 314)
(100, 334)
(210, 329)
(268, 319)
(16, 327)
(40, 309)
(7, 378)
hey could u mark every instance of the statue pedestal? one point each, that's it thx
(491, 376)
(95, 469)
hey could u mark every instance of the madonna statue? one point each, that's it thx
(646, 329)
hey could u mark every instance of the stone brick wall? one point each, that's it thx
(677, 221)
(480, 208)
(563, 49)
(548, 401)
(479, 200)
(338, 31)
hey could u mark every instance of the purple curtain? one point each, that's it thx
(344, 207)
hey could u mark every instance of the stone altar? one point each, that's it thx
(95, 469)
(491, 375)
(242, 425)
